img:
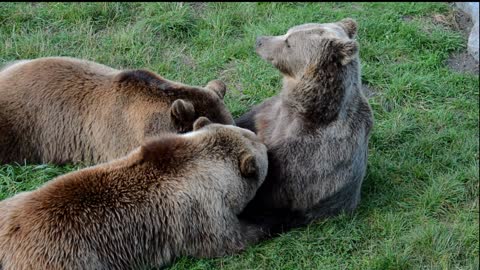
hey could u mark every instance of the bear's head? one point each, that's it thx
(172, 106)
(221, 160)
(307, 46)
(245, 153)
(207, 102)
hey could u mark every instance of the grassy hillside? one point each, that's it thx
(420, 207)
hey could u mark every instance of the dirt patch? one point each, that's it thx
(460, 21)
(464, 22)
(462, 62)
(456, 20)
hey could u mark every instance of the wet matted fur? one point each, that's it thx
(316, 130)
(60, 109)
(177, 195)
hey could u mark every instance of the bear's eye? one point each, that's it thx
(286, 43)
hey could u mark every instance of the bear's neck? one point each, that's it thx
(318, 96)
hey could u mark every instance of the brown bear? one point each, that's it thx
(176, 195)
(316, 131)
(60, 109)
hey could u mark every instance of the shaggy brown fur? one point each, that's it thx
(177, 195)
(316, 130)
(63, 110)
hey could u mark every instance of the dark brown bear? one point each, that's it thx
(59, 110)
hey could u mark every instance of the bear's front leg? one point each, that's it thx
(241, 237)
(247, 120)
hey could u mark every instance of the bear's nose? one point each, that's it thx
(258, 42)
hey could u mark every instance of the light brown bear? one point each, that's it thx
(60, 109)
(177, 195)
(316, 130)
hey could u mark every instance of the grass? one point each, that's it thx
(420, 207)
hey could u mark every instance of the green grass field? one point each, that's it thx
(420, 199)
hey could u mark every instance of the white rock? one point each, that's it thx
(473, 42)
(471, 8)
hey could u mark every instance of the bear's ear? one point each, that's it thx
(201, 122)
(248, 166)
(346, 50)
(350, 26)
(218, 87)
(182, 111)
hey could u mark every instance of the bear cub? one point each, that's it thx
(316, 130)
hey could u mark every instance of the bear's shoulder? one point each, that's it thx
(139, 76)
(142, 79)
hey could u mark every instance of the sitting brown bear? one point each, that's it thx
(63, 110)
(177, 195)
(316, 130)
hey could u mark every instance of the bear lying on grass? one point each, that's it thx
(316, 130)
(61, 110)
(177, 195)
